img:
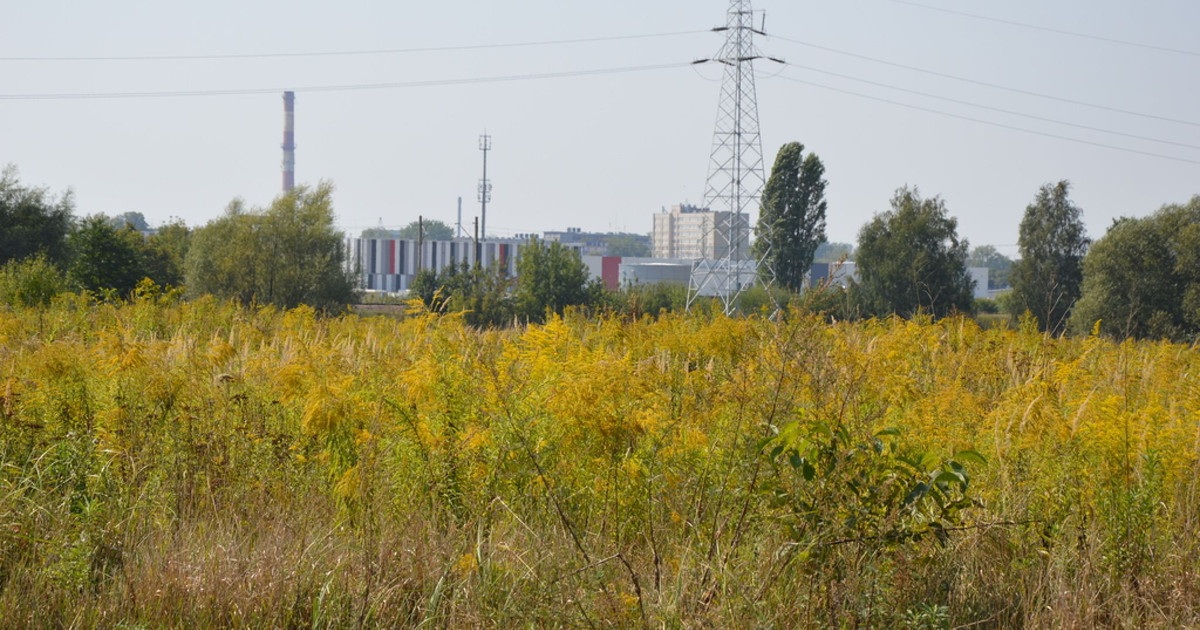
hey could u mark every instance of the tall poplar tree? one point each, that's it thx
(791, 224)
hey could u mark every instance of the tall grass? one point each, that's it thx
(173, 464)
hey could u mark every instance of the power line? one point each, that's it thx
(1059, 31)
(987, 84)
(995, 109)
(992, 123)
(340, 88)
(349, 53)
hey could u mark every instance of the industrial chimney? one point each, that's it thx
(289, 141)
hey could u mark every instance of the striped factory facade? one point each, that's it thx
(390, 264)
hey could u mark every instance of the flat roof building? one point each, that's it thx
(391, 264)
(693, 233)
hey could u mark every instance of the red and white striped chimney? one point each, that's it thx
(289, 141)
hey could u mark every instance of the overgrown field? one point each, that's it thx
(194, 465)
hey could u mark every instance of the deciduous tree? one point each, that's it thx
(32, 221)
(910, 260)
(550, 278)
(288, 254)
(104, 258)
(135, 220)
(482, 295)
(1047, 280)
(1142, 278)
(833, 252)
(434, 230)
(627, 245)
(167, 250)
(792, 221)
(998, 265)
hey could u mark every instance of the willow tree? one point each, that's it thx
(1142, 278)
(910, 260)
(288, 254)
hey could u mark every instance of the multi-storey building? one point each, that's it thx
(692, 233)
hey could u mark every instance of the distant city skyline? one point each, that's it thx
(602, 151)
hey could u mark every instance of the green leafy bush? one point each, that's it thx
(30, 282)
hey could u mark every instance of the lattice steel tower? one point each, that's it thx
(735, 171)
(485, 186)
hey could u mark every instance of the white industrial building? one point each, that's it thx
(391, 264)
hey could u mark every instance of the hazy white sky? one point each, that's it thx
(599, 151)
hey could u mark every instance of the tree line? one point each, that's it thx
(1141, 279)
(286, 254)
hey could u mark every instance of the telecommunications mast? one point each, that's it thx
(289, 141)
(485, 186)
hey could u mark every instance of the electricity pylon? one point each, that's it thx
(735, 172)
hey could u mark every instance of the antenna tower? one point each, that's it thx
(735, 170)
(485, 185)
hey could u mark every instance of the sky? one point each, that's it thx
(599, 151)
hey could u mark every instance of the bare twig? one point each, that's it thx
(963, 528)
(584, 568)
(637, 589)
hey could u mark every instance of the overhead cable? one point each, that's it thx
(350, 53)
(997, 86)
(995, 109)
(989, 122)
(1058, 31)
(338, 88)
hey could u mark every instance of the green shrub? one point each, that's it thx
(986, 306)
(30, 282)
